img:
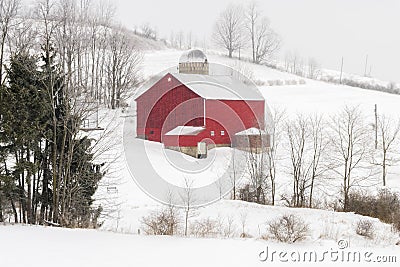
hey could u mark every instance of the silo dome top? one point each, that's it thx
(193, 56)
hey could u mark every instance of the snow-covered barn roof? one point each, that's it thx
(186, 130)
(219, 87)
(251, 131)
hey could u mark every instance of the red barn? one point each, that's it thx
(193, 109)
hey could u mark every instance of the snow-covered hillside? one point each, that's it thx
(121, 242)
(308, 98)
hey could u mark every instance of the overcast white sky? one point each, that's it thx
(323, 29)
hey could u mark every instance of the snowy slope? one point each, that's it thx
(73, 247)
(127, 204)
(311, 97)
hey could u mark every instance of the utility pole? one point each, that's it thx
(341, 71)
(376, 126)
(366, 64)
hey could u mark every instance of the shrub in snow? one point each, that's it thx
(259, 83)
(275, 82)
(396, 221)
(384, 206)
(365, 228)
(290, 82)
(208, 227)
(245, 235)
(228, 227)
(164, 222)
(361, 203)
(288, 228)
(204, 228)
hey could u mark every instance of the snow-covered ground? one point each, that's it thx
(332, 243)
(66, 248)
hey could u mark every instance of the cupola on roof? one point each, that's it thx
(194, 55)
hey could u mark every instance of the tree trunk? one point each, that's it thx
(384, 168)
(3, 40)
(311, 193)
(1, 207)
(186, 220)
(13, 208)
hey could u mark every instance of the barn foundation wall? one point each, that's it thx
(192, 151)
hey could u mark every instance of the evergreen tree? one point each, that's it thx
(75, 178)
(52, 178)
(22, 118)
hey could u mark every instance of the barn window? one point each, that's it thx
(212, 133)
(222, 132)
(151, 132)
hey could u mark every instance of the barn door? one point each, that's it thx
(201, 150)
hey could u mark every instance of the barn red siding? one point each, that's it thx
(204, 136)
(227, 116)
(236, 115)
(166, 105)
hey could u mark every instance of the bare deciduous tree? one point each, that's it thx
(189, 41)
(307, 146)
(122, 60)
(319, 144)
(188, 200)
(228, 29)
(22, 37)
(180, 39)
(313, 68)
(238, 163)
(267, 42)
(252, 16)
(8, 12)
(273, 129)
(350, 144)
(258, 172)
(297, 133)
(264, 41)
(294, 63)
(149, 32)
(388, 132)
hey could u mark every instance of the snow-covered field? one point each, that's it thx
(117, 243)
(309, 98)
(75, 247)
